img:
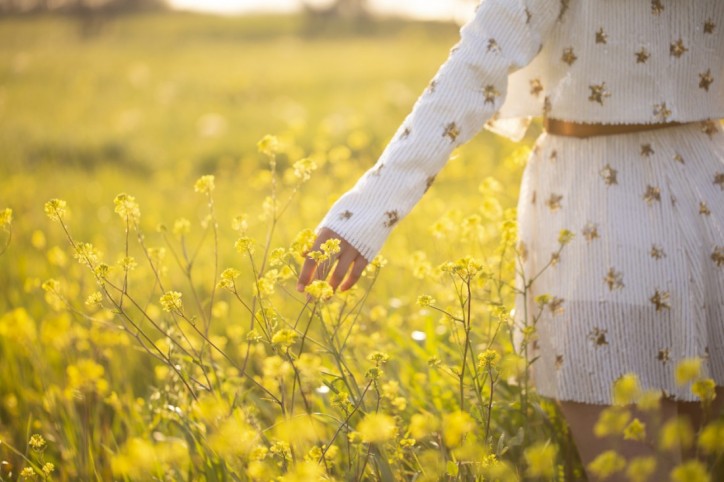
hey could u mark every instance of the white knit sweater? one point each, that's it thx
(592, 61)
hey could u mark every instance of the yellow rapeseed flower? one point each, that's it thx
(244, 245)
(181, 227)
(488, 359)
(377, 428)
(37, 442)
(331, 246)
(688, 370)
(205, 184)
(541, 460)
(6, 217)
(676, 434)
(127, 208)
(640, 469)
(284, 338)
(626, 389)
(649, 401)
(455, 426)
(423, 424)
(636, 430)
(611, 421)
(565, 237)
(425, 300)
(48, 468)
(607, 464)
(268, 145)
(28, 473)
(87, 375)
(320, 290)
(704, 390)
(171, 302)
(690, 471)
(711, 438)
(55, 209)
(304, 168)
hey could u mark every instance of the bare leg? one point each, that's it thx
(581, 418)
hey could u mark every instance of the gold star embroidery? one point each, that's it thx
(528, 16)
(708, 127)
(378, 170)
(451, 131)
(614, 279)
(598, 336)
(601, 36)
(392, 218)
(428, 183)
(547, 106)
(554, 155)
(656, 7)
(568, 56)
(590, 232)
(554, 202)
(493, 45)
(523, 251)
(718, 256)
(704, 209)
(406, 133)
(661, 300)
(677, 48)
(663, 356)
(661, 112)
(598, 93)
(719, 180)
(657, 252)
(559, 362)
(678, 158)
(652, 195)
(345, 215)
(709, 26)
(642, 56)
(647, 150)
(705, 80)
(609, 175)
(490, 93)
(433, 85)
(536, 87)
(556, 306)
(533, 198)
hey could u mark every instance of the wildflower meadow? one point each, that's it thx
(161, 182)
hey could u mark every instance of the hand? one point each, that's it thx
(348, 257)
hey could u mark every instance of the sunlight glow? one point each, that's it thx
(428, 9)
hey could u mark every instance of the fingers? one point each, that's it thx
(343, 263)
(347, 258)
(305, 275)
(311, 266)
(359, 265)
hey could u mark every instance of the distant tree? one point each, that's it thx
(319, 18)
(74, 6)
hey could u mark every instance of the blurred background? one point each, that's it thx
(143, 97)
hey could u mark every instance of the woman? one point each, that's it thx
(632, 162)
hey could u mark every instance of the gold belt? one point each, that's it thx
(577, 129)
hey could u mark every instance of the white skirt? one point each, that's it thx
(641, 285)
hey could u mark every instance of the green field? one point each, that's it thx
(243, 378)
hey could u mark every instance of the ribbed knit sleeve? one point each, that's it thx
(469, 88)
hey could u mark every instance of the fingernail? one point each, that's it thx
(300, 287)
